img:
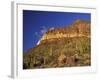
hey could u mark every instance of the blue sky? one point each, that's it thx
(36, 23)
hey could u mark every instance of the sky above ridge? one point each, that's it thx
(36, 23)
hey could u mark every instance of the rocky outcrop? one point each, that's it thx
(79, 28)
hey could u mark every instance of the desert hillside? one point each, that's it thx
(69, 46)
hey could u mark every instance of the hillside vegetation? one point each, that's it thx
(61, 51)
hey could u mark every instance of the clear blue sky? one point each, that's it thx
(36, 23)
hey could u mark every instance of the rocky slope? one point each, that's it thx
(61, 47)
(79, 28)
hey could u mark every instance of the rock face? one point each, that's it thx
(77, 29)
(68, 46)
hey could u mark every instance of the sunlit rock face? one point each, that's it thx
(79, 28)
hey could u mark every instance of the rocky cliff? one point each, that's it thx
(79, 28)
